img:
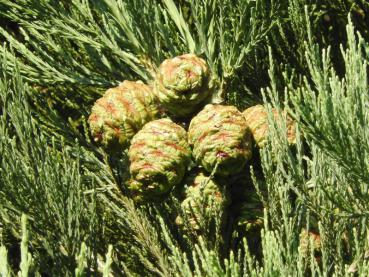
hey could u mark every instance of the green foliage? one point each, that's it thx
(307, 57)
(26, 257)
(327, 174)
(101, 43)
(39, 179)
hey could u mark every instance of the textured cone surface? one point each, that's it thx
(219, 136)
(202, 196)
(307, 237)
(257, 120)
(159, 156)
(251, 214)
(182, 84)
(121, 112)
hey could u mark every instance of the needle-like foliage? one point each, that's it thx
(64, 206)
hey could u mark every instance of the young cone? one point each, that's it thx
(220, 139)
(120, 113)
(159, 156)
(182, 84)
(257, 120)
(203, 200)
(310, 242)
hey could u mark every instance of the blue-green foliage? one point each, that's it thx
(307, 57)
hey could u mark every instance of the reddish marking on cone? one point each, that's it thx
(175, 146)
(110, 124)
(210, 117)
(127, 104)
(190, 74)
(147, 166)
(117, 130)
(110, 107)
(138, 145)
(93, 117)
(222, 136)
(158, 153)
(203, 136)
(204, 121)
(222, 154)
(156, 132)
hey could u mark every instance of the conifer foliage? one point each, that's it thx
(124, 149)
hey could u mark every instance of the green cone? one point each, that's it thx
(251, 215)
(182, 84)
(121, 112)
(159, 156)
(219, 136)
(257, 120)
(203, 198)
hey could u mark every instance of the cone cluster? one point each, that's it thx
(219, 140)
